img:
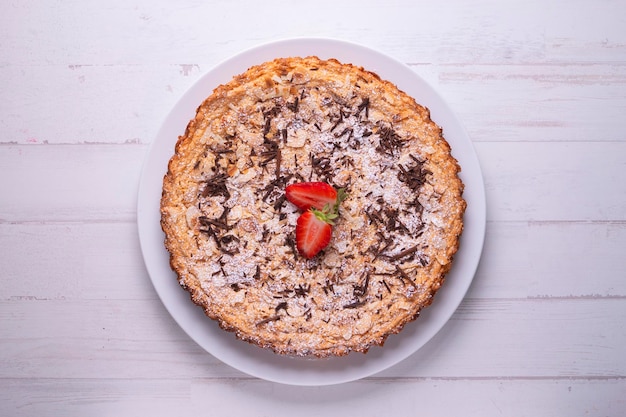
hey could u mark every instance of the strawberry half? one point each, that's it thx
(320, 203)
(313, 232)
(306, 195)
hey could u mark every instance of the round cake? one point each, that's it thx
(372, 242)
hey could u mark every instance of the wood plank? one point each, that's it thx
(62, 261)
(431, 396)
(564, 260)
(486, 338)
(99, 261)
(126, 103)
(70, 182)
(537, 103)
(94, 397)
(519, 31)
(496, 102)
(554, 181)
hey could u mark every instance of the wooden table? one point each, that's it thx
(541, 89)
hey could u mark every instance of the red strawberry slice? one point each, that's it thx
(313, 232)
(306, 195)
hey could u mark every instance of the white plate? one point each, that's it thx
(265, 364)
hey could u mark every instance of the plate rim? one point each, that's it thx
(275, 368)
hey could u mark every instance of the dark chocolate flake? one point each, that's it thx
(361, 289)
(266, 127)
(205, 221)
(355, 304)
(328, 287)
(322, 166)
(216, 186)
(365, 104)
(302, 290)
(291, 243)
(404, 253)
(281, 306)
(348, 130)
(389, 141)
(414, 176)
(208, 229)
(294, 106)
(268, 320)
(402, 275)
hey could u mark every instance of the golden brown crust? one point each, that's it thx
(230, 231)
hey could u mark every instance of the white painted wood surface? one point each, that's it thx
(541, 88)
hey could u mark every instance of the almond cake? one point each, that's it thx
(231, 230)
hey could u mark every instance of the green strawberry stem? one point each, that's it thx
(329, 213)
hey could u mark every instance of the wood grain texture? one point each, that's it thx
(376, 397)
(486, 338)
(541, 89)
(508, 102)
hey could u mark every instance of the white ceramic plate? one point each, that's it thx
(265, 364)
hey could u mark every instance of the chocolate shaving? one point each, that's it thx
(271, 151)
(222, 151)
(389, 141)
(365, 104)
(278, 161)
(291, 243)
(302, 291)
(346, 161)
(294, 106)
(322, 166)
(281, 306)
(274, 189)
(208, 229)
(337, 123)
(374, 216)
(361, 289)
(355, 304)
(229, 239)
(279, 202)
(205, 221)
(404, 253)
(414, 176)
(343, 132)
(268, 320)
(266, 127)
(328, 287)
(379, 251)
(216, 186)
(402, 275)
